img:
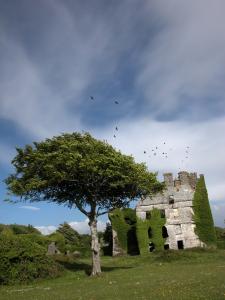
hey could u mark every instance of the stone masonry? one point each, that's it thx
(176, 203)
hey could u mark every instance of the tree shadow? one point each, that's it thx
(81, 266)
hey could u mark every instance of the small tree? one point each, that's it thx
(81, 172)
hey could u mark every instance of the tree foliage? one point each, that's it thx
(70, 234)
(81, 172)
(78, 170)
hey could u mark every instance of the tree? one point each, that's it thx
(70, 234)
(81, 172)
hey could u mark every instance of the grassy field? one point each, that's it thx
(185, 274)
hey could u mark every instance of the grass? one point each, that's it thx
(196, 274)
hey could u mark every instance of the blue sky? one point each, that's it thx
(163, 61)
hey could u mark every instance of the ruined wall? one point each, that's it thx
(177, 202)
(178, 218)
(149, 232)
(123, 223)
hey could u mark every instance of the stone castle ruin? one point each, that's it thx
(175, 203)
(168, 214)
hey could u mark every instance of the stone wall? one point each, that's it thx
(176, 201)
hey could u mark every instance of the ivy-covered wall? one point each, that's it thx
(134, 234)
(202, 214)
(123, 221)
(150, 230)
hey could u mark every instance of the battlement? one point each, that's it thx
(184, 178)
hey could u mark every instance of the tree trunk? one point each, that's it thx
(95, 248)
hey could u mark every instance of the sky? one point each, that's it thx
(162, 61)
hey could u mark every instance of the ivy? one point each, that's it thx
(202, 214)
(150, 230)
(120, 226)
(124, 223)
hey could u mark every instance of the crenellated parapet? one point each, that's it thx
(184, 179)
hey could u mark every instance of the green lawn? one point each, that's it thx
(169, 275)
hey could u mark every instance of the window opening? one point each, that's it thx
(148, 215)
(149, 233)
(164, 232)
(162, 213)
(151, 246)
(180, 245)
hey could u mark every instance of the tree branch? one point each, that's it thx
(82, 210)
(102, 213)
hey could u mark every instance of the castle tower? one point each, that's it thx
(177, 203)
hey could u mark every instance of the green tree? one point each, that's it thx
(71, 236)
(81, 172)
(202, 214)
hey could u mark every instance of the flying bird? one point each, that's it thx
(92, 98)
(114, 136)
(116, 128)
(116, 102)
(144, 152)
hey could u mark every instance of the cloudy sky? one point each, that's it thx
(163, 61)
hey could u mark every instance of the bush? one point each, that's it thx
(22, 260)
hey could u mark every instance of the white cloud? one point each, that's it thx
(33, 208)
(206, 154)
(80, 226)
(218, 211)
(184, 63)
(6, 154)
(46, 229)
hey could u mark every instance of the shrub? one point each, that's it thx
(22, 260)
(220, 235)
(59, 239)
